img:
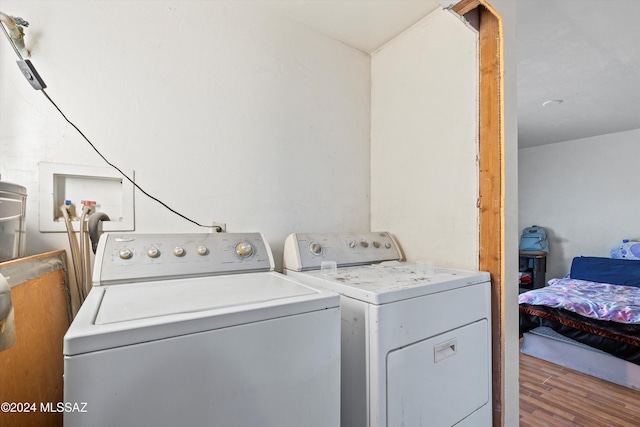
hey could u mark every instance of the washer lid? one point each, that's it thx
(114, 316)
(154, 299)
(389, 281)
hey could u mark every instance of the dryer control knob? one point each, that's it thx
(153, 252)
(376, 243)
(351, 244)
(202, 250)
(387, 245)
(178, 251)
(315, 248)
(125, 253)
(244, 249)
(364, 243)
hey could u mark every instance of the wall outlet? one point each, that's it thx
(222, 227)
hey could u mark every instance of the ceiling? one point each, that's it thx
(586, 53)
(583, 52)
(363, 24)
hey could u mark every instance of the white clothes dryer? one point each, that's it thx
(197, 330)
(416, 350)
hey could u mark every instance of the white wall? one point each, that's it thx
(227, 111)
(424, 177)
(585, 192)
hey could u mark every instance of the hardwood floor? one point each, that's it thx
(551, 395)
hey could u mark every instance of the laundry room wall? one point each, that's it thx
(227, 111)
(424, 176)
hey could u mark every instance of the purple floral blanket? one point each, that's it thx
(601, 301)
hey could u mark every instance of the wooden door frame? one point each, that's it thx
(491, 179)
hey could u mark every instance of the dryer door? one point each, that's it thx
(441, 380)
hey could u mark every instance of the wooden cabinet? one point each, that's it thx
(31, 366)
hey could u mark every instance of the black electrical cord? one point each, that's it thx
(32, 75)
(218, 228)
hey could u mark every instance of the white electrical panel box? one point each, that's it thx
(111, 192)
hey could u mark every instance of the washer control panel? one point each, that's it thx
(306, 251)
(136, 257)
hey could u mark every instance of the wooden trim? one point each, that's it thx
(491, 192)
(491, 179)
(465, 6)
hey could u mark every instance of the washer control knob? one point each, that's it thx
(244, 249)
(125, 253)
(364, 243)
(376, 243)
(178, 251)
(202, 250)
(387, 245)
(153, 252)
(315, 248)
(351, 244)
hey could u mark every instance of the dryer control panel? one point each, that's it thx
(306, 251)
(136, 257)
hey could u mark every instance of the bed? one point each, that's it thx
(589, 320)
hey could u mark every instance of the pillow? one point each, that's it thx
(606, 270)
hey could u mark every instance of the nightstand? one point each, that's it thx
(533, 263)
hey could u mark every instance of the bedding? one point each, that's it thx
(603, 301)
(618, 339)
(586, 308)
(628, 333)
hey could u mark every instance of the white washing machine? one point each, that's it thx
(416, 350)
(197, 330)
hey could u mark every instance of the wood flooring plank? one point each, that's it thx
(552, 395)
(550, 420)
(548, 407)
